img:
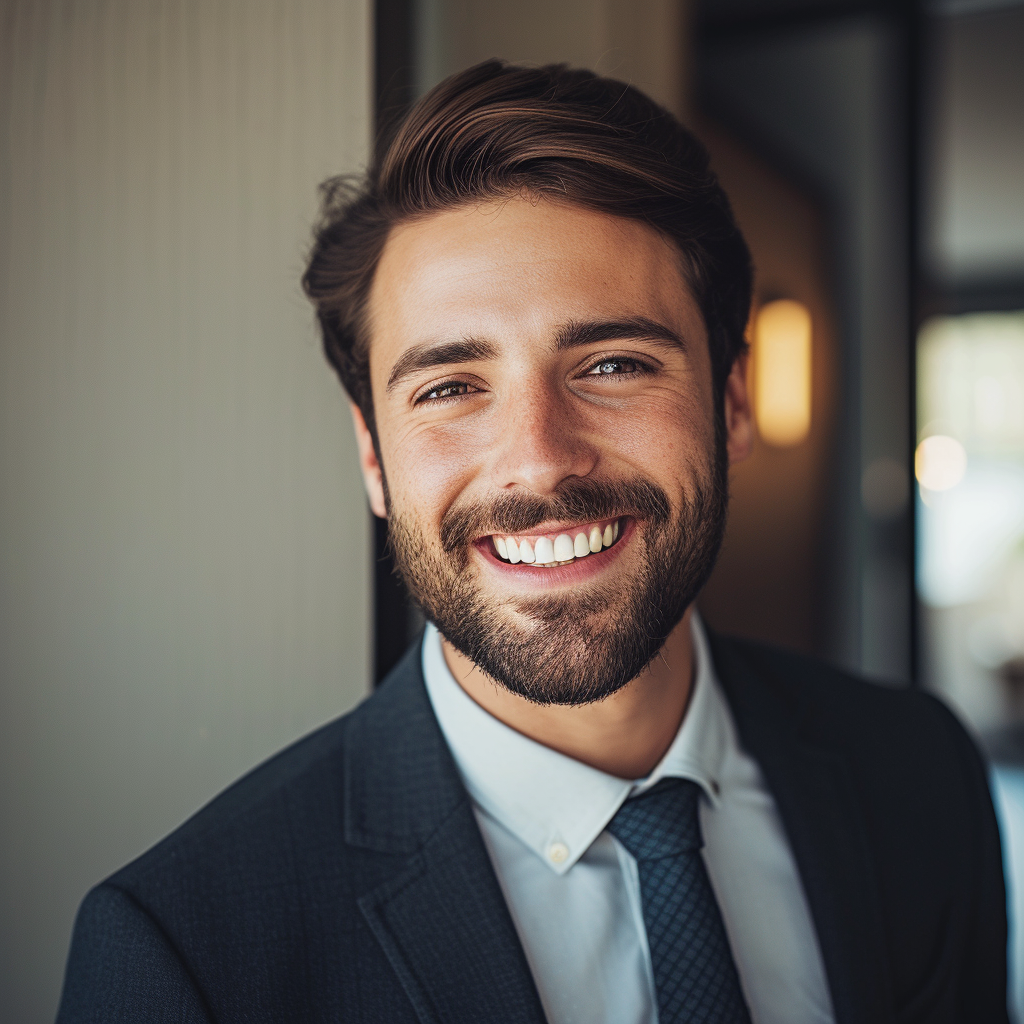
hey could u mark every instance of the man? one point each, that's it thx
(569, 802)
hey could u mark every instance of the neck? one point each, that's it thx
(625, 734)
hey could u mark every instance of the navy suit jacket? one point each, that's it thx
(346, 880)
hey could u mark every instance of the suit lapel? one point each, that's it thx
(441, 918)
(444, 926)
(826, 829)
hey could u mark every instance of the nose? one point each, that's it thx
(540, 442)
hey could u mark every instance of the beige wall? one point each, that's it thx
(640, 41)
(184, 565)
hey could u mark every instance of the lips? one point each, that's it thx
(558, 548)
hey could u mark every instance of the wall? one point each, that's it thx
(974, 203)
(768, 583)
(642, 41)
(184, 566)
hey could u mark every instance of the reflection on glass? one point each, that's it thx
(970, 472)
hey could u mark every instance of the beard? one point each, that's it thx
(584, 643)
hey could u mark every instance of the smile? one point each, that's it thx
(550, 550)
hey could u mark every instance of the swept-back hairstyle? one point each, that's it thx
(498, 130)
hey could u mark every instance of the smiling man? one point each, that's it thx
(569, 802)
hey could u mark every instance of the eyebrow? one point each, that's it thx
(573, 334)
(427, 356)
(588, 332)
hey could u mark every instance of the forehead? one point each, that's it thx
(516, 269)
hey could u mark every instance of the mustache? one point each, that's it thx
(575, 499)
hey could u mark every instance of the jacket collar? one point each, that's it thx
(441, 918)
(824, 822)
(544, 797)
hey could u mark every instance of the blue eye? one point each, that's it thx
(613, 367)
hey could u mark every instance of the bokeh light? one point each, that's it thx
(940, 462)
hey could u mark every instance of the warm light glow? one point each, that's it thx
(940, 462)
(782, 372)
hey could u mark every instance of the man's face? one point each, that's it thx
(541, 372)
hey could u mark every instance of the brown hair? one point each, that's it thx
(497, 130)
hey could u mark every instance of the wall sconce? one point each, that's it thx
(782, 372)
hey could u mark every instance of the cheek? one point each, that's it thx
(428, 468)
(665, 436)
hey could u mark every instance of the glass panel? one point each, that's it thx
(970, 509)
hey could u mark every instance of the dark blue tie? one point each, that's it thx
(694, 973)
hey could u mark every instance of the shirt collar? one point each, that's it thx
(554, 804)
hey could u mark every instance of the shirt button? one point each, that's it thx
(557, 853)
(715, 787)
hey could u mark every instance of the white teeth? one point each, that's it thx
(563, 548)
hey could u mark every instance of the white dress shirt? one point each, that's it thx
(573, 890)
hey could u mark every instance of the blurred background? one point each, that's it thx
(189, 577)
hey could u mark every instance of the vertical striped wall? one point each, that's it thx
(184, 566)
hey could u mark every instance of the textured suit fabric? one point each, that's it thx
(695, 976)
(346, 879)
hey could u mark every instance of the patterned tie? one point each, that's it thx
(694, 974)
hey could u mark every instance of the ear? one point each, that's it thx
(739, 421)
(373, 478)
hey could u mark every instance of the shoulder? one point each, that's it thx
(256, 897)
(906, 758)
(885, 799)
(251, 812)
(836, 707)
(278, 819)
